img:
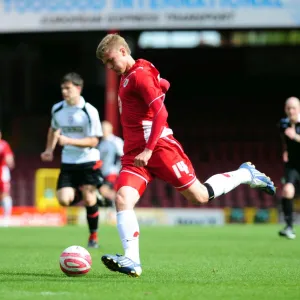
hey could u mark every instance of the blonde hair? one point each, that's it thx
(109, 42)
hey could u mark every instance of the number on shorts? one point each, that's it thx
(179, 168)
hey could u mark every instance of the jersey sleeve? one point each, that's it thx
(148, 86)
(95, 128)
(7, 150)
(54, 123)
(164, 84)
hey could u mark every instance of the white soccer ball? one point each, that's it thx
(75, 261)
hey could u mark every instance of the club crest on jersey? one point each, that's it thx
(70, 119)
(125, 82)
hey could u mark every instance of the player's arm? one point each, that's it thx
(152, 94)
(285, 156)
(10, 161)
(282, 125)
(288, 131)
(9, 157)
(52, 139)
(297, 138)
(53, 132)
(291, 133)
(164, 85)
(84, 142)
(159, 121)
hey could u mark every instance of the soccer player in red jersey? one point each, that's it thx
(150, 150)
(7, 163)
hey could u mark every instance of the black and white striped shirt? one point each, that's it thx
(77, 122)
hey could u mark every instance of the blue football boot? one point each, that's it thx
(122, 264)
(259, 180)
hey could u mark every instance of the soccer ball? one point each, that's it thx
(75, 261)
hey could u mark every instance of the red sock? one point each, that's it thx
(94, 236)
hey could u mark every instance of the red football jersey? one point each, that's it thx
(139, 87)
(4, 151)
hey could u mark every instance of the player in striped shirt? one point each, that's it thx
(76, 126)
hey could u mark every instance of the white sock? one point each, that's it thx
(224, 183)
(7, 206)
(129, 232)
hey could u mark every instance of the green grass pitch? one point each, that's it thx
(183, 263)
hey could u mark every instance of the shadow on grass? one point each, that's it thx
(9, 276)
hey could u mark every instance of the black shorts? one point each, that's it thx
(292, 174)
(76, 175)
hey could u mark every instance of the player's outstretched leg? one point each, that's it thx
(259, 180)
(221, 184)
(122, 264)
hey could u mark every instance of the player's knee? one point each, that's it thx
(120, 200)
(123, 202)
(105, 191)
(197, 193)
(90, 201)
(63, 198)
(64, 201)
(89, 195)
(288, 191)
(126, 198)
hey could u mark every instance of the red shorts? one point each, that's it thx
(168, 162)
(4, 179)
(4, 187)
(111, 180)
